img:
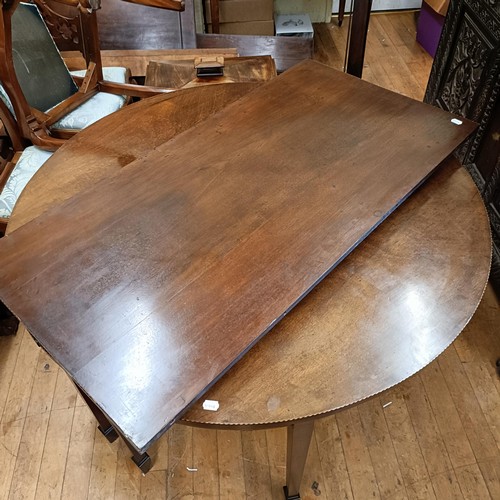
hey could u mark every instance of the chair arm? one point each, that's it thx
(162, 4)
(131, 89)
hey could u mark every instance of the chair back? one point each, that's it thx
(36, 81)
(40, 69)
(32, 72)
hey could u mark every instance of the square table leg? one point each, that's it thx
(298, 440)
(142, 460)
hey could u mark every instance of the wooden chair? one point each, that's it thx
(17, 170)
(40, 103)
(47, 102)
(39, 98)
(11, 184)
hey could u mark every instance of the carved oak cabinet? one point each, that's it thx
(465, 80)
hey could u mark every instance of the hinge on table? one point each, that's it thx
(209, 66)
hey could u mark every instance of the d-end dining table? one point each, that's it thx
(387, 309)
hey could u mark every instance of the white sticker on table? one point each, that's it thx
(211, 405)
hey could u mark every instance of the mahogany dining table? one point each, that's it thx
(386, 311)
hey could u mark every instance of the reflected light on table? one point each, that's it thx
(422, 324)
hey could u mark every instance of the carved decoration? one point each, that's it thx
(64, 29)
(466, 69)
(487, 103)
(455, 10)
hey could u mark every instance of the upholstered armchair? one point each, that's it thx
(48, 103)
(41, 103)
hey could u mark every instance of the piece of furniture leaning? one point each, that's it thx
(465, 79)
(41, 94)
(125, 26)
(209, 71)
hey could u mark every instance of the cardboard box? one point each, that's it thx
(298, 25)
(237, 11)
(246, 28)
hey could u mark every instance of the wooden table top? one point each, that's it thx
(275, 408)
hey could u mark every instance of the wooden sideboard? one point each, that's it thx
(465, 80)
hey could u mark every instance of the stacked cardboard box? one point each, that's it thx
(243, 17)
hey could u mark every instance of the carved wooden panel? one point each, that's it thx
(461, 88)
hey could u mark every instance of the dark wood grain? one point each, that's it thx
(125, 26)
(158, 279)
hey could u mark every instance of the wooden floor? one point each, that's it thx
(435, 436)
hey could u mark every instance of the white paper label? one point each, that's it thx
(211, 405)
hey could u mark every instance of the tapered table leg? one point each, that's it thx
(298, 439)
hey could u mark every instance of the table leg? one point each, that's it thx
(142, 460)
(360, 18)
(340, 17)
(104, 424)
(298, 439)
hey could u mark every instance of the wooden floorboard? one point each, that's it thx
(434, 437)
